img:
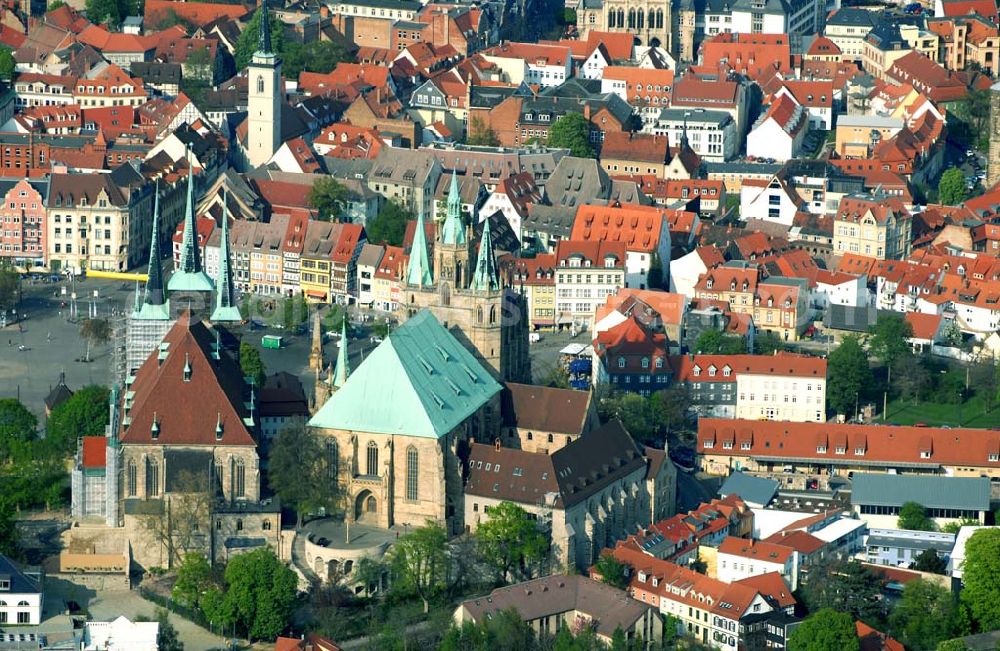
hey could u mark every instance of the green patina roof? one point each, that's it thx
(184, 281)
(420, 381)
(419, 270)
(148, 312)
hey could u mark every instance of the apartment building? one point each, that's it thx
(537, 279)
(586, 273)
(643, 230)
(876, 226)
(22, 222)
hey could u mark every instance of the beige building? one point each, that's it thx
(877, 227)
(650, 21)
(857, 135)
(782, 387)
(95, 223)
(406, 176)
(586, 495)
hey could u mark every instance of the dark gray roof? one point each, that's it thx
(155, 72)
(938, 544)
(741, 168)
(852, 319)
(19, 582)
(404, 5)
(969, 493)
(575, 181)
(853, 17)
(886, 36)
(556, 221)
(757, 490)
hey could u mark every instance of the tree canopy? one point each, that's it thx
(981, 579)
(913, 516)
(18, 428)
(301, 471)
(924, 617)
(328, 195)
(419, 562)
(389, 225)
(481, 134)
(951, 187)
(252, 365)
(713, 342)
(612, 571)
(195, 577)
(849, 376)
(85, 413)
(889, 338)
(7, 64)
(246, 44)
(258, 597)
(825, 630)
(510, 542)
(844, 586)
(315, 56)
(572, 132)
(929, 561)
(94, 332)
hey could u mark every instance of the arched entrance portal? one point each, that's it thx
(366, 508)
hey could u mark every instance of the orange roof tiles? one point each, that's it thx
(638, 228)
(532, 53)
(823, 46)
(757, 550)
(751, 54)
(781, 365)
(631, 146)
(197, 13)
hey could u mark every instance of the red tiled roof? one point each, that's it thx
(823, 46)
(924, 326)
(197, 13)
(94, 451)
(759, 550)
(883, 443)
(772, 585)
(780, 365)
(637, 227)
(754, 55)
(985, 8)
(873, 640)
(214, 392)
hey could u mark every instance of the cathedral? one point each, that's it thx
(650, 21)
(475, 302)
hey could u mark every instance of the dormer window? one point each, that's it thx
(925, 454)
(770, 302)
(994, 457)
(708, 444)
(746, 285)
(696, 371)
(621, 362)
(820, 449)
(154, 429)
(709, 283)
(859, 452)
(732, 285)
(840, 449)
(726, 371)
(218, 427)
(745, 445)
(711, 371)
(659, 362)
(645, 362)
(727, 445)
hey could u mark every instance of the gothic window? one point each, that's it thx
(152, 478)
(241, 479)
(372, 466)
(131, 474)
(479, 314)
(218, 476)
(412, 466)
(611, 18)
(332, 459)
(266, 525)
(493, 314)
(239, 524)
(659, 19)
(445, 295)
(260, 83)
(640, 19)
(621, 18)
(631, 18)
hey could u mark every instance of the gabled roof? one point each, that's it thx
(637, 227)
(756, 490)
(545, 409)
(183, 371)
(420, 382)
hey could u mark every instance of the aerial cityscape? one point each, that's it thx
(468, 325)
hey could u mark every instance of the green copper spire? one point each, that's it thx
(264, 35)
(189, 276)
(486, 277)
(419, 270)
(453, 231)
(154, 304)
(342, 368)
(225, 297)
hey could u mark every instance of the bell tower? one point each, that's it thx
(265, 96)
(451, 253)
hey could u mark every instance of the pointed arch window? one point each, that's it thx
(412, 472)
(240, 481)
(132, 476)
(260, 83)
(332, 459)
(152, 478)
(372, 465)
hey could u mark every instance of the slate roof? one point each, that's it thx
(420, 381)
(970, 493)
(19, 582)
(546, 409)
(757, 490)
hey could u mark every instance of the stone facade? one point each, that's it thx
(651, 21)
(993, 163)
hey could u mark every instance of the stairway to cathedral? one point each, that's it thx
(306, 575)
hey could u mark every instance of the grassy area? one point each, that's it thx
(971, 413)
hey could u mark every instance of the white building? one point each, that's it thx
(838, 288)
(712, 134)
(782, 387)
(20, 596)
(780, 131)
(530, 63)
(739, 558)
(768, 200)
(687, 269)
(121, 634)
(586, 274)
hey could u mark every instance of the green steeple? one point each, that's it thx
(486, 277)
(189, 277)
(419, 270)
(264, 35)
(154, 305)
(225, 297)
(453, 231)
(340, 379)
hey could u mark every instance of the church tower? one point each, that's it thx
(190, 277)
(225, 297)
(451, 254)
(265, 97)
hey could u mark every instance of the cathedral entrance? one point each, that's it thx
(366, 508)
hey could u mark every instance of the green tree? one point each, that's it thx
(709, 343)
(389, 225)
(985, 381)
(675, 406)
(7, 64)
(246, 44)
(825, 630)
(951, 187)
(956, 525)
(327, 195)
(888, 340)
(952, 645)
(635, 412)
(195, 578)
(981, 579)
(18, 429)
(316, 56)
(924, 617)
(912, 379)
(166, 637)
(85, 413)
(252, 365)
(974, 111)
(558, 377)
(913, 516)
(481, 134)
(10, 286)
(845, 586)
(105, 11)
(10, 543)
(929, 561)
(613, 571)
(55, 4)
(510, 542)
(301, 472)
(572, 132)
(654, 279)
(94, 332)
(198, 75)
(420, 562)
(849, 376)
(259, 595)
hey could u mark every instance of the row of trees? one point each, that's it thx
(317, 56)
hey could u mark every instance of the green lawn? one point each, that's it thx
(972, 413)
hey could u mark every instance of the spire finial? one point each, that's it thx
(419, 269)
(342, 364)
(154, 277)
(452, 232)
(264, 33)
(486, 278)
(225, 298)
